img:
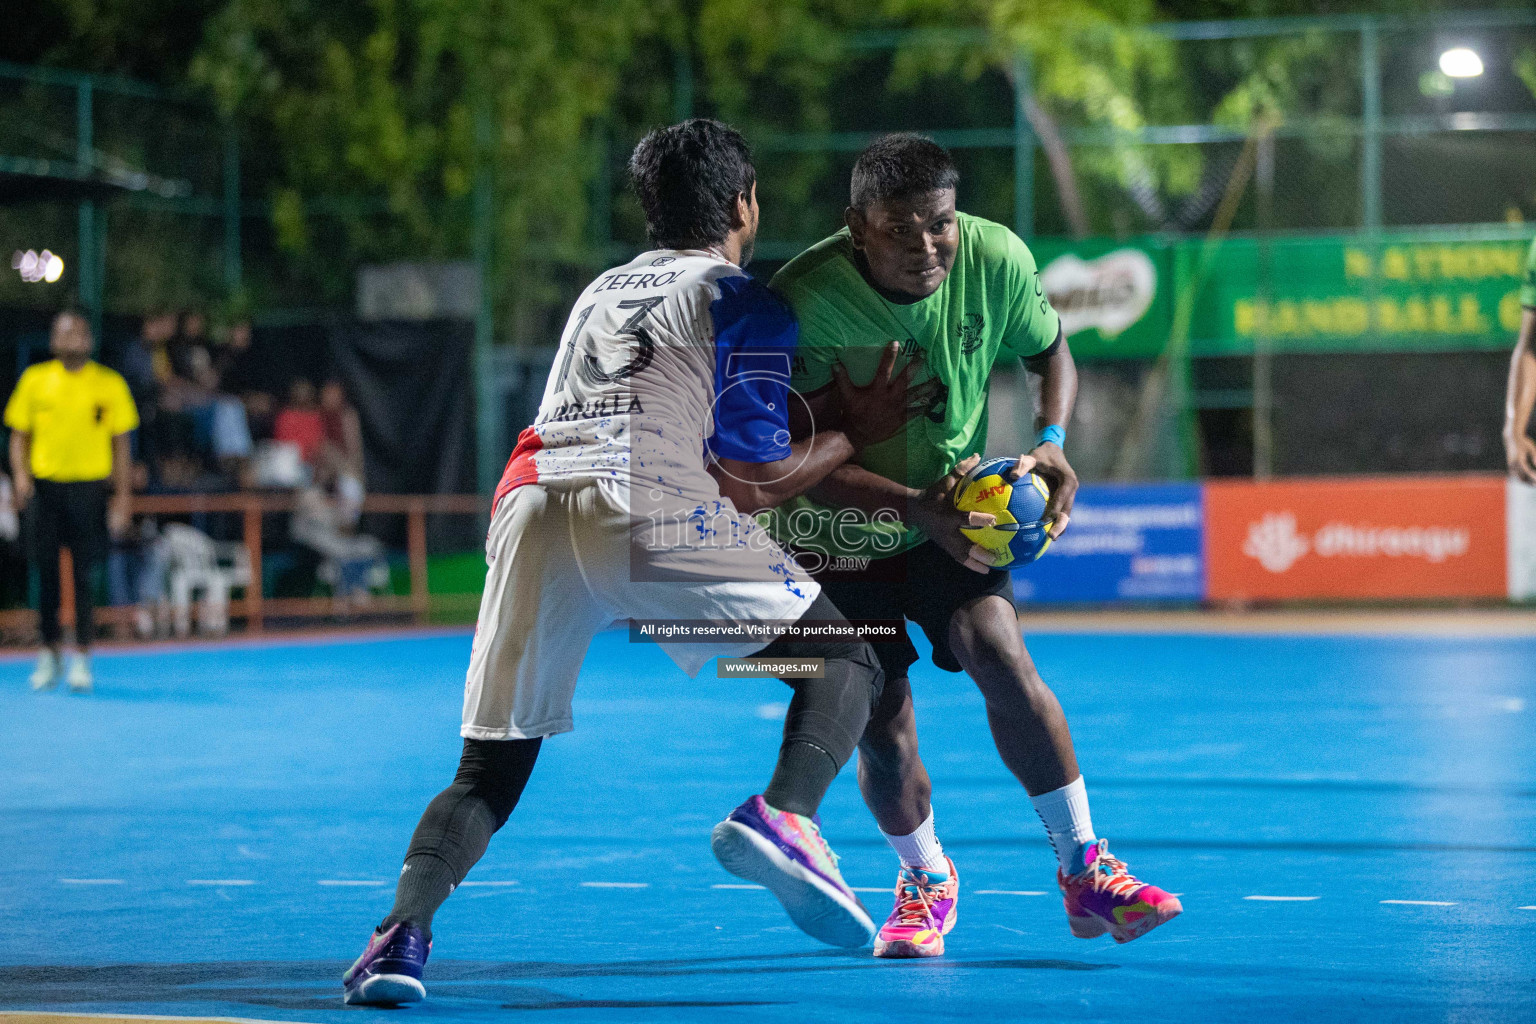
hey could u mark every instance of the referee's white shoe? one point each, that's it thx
(46, 675)
(80, 674)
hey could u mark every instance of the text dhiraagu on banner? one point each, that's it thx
(1409, 538)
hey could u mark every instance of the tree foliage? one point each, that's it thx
(367, 123)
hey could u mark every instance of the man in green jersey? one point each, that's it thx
(1519, 446)
(959, 295)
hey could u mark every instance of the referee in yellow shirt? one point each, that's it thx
(69, 421)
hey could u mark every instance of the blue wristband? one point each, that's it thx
(1054, 434)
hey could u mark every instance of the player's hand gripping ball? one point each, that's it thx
(1020, 535)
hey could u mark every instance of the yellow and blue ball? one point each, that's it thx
(1021, 534)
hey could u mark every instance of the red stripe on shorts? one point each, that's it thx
(520, 467)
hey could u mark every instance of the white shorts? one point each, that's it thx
(567, 561)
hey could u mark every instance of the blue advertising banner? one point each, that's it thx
(1126, 542)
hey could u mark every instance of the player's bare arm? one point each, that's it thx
(1058, 394)
(1519, 448)
(21, 468)
(930, 509)
(862, 416)
(119, 506)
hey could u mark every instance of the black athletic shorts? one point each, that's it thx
(925, 585)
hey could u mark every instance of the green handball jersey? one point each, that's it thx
(991, 307)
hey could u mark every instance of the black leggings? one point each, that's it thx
(827, 716)
(826, 719)
(458, 824)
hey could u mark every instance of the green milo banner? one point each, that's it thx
(1115, 299)
(1426, 291)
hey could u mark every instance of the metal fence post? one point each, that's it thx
(488, 439)
(1023, 149)
(1370, 159)
(232, 267)
(1370, 139)
(88, 273)
(682, 85)
(1263, 355)
(602, 194)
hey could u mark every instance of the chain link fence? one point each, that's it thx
(1365, 135)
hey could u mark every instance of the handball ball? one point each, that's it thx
(1021, 534)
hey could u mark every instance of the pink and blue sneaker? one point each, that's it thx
(389, 971)
(785, 853)
(926, 900)
(1103, 896)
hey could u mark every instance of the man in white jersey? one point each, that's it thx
(663, 428)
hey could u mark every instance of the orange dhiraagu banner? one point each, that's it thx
(1405, 537)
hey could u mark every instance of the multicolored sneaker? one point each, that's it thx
(389, 971)
(786, 853)
(924, 913)
(1102, 896)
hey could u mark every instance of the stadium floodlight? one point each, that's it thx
(38, 266)
(1461, 62)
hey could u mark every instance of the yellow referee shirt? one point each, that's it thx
(72, 418)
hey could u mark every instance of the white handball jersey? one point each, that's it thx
(672, 358)
(607, 511)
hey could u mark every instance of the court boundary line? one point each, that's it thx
(1419, 623)
(305, 638)
(62, 1015)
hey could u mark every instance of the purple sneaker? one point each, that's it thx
(389, 971)
(786, 853)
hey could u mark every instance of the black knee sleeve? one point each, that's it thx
(459, 822)
(830, 713)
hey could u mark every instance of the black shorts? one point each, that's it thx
(925, 585)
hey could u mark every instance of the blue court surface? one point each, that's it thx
(1351, 821)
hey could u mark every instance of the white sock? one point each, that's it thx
(921, 849)
(1067, 823)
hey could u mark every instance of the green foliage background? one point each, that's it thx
(364, 123)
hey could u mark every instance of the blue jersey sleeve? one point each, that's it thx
(755, 338)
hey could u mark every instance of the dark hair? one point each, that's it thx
(899, 167)
(688, 177)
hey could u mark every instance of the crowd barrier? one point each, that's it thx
(1469, 537)
(252, 607)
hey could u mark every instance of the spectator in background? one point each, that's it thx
(325, 521)
(260, 415)
(189, 345)
(10, 523)
(300, 422)
(140, 357)
(343, 429)
(230, 357)
(343, 447)
(130, 569)
(69, 421)
(221, 426)
(174, 446)
(13, 561)
(144, 362)
(156, 334)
